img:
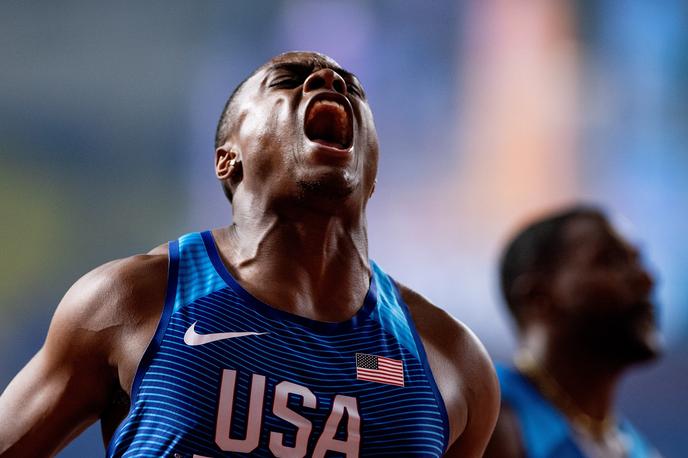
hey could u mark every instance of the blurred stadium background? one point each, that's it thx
(487, 112)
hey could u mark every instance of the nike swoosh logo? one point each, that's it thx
(192, 338)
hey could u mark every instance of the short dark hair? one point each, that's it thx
(224, 126)
(538, 248)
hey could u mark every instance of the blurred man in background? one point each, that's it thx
(581, 300)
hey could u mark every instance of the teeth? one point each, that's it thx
(328, 121)
(332, 104)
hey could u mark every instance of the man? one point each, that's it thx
(178, 353)
(581, 299)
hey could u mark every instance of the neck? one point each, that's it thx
(307, 263)
(579, 384)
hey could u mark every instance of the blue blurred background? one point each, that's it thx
(487, 112)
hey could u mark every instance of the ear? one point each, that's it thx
(372, 191)
(226, 161)
(531, 291)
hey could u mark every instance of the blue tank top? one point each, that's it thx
(545, 432)
(227, 375)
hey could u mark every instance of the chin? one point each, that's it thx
(620, 342)
(646, 339)
(330, 187)
(637, 348)
(649, 346)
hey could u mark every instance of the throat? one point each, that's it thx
(323, 276)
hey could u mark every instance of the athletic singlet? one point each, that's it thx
(545, 433)
(227, 375)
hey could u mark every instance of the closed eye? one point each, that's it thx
(286, 82)
(354, 89)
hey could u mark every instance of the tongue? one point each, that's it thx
(326, 124)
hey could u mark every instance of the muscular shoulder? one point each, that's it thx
(449, 338)
(436, 325)
(461, 367)
(107, 301)
(119, 286)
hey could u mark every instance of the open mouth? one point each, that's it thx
(328, 122)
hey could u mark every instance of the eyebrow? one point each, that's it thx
(304, 68)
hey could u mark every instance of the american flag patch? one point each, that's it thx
(379, 369)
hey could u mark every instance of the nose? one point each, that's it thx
(327, 79)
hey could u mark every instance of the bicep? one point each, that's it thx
(60, 391)
(506, 440)
(483, 408)
(47, 403)
(43, 406)
(464, 372)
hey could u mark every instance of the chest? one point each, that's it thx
(231, 384)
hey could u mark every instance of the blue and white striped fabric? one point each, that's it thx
(286, 387)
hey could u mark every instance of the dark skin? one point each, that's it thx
(585, 324)
(293, 198)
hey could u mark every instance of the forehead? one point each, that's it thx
(313, 59)
(298, 62)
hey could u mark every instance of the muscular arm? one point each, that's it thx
(506, 439)
(464, 375)
(69, 383)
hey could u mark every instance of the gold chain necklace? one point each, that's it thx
(552, 390)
